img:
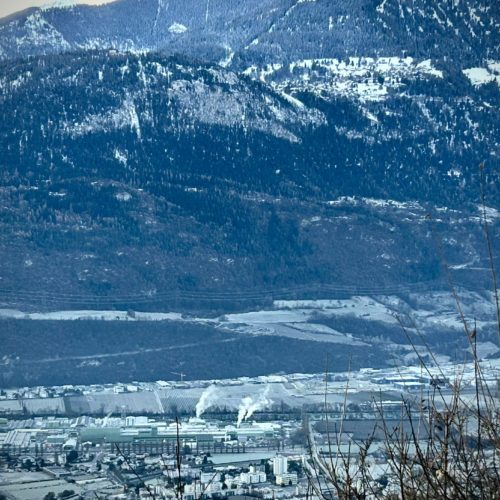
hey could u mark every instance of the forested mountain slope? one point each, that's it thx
(135, 175)
(211, 156)
(264, 30)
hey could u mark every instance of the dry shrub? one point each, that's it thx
(446, 446)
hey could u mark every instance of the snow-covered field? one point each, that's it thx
(359, 306)
(314, 320)
(91, 315)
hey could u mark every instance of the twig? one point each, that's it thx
(179, 492)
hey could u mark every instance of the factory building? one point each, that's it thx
(193, 431)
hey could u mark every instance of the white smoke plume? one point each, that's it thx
(248, 406)
(207, 399)
(246, 402)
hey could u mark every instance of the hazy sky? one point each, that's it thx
(9, 6)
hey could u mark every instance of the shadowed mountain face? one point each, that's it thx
(211, 156)
(129, 178)
(157, 148)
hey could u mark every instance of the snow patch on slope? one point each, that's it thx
(224, 63)
(211, 104)
(119, 118)
(481, 76)
(375, 202)
(40, 33)
(177, 28)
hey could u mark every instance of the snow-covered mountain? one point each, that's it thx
(215, 155)
(142, 162)
(264, 31)
(267, 105)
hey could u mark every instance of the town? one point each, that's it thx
(258, 437)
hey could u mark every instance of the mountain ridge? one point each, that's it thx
(264, 31)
